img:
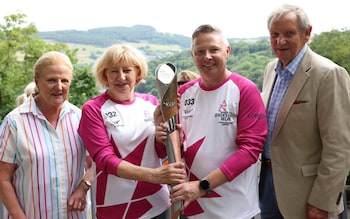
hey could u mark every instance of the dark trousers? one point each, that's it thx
(268, 203)
(344, 215)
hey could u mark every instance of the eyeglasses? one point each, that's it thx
(179, 83)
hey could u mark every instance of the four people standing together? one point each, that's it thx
(299, 126)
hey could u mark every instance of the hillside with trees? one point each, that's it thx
(103, 37)
(249, 56)
(21, 45)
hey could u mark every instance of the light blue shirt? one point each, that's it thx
(284, 78)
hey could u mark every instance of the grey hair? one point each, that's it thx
(208, 28)
(304, 21)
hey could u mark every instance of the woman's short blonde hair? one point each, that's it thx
(116, 54)
(51, 58)
(29, 90)
(186, 75)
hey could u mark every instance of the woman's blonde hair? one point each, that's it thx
(116, 54)
(51, 58)
(29, 90)
(186, 75)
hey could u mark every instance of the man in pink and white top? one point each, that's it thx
(223, 130)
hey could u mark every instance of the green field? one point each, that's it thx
(87, 54)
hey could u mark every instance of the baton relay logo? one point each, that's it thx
(224, 116)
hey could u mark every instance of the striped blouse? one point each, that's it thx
(50, 161)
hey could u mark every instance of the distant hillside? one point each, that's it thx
(104, 37)
(138, 34)
(91, 43)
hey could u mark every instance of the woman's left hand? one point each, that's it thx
(77, 201)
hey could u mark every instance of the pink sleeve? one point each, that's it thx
(95, 138)
(251, 129)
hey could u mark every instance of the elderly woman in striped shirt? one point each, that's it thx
(42, 159)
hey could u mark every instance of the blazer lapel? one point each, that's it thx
(300, 78)
(269, 82)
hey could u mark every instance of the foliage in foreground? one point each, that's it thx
(19, 51)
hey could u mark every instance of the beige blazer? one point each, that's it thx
(310, 148)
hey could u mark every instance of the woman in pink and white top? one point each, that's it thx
(41, 154)
(117, 129)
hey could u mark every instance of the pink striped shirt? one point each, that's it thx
(50, 161)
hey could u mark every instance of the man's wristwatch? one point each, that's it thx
(205, 186)
(86, 183)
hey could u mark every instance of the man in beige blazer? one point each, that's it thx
(306, 155)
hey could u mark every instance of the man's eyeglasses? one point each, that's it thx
(179, 83)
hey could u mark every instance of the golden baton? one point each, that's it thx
(167, 90)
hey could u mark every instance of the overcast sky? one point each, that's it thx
(244, 18)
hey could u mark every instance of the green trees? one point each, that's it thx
(19, 51)
(250, 58)
(16, 59)
(334, 45)
(83, 86)
(247, 58)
